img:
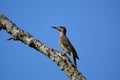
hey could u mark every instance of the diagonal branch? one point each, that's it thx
(60, 59)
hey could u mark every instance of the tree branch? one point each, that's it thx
(60, 59)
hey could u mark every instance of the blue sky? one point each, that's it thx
(93, 27)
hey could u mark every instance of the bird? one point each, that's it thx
(65, 43)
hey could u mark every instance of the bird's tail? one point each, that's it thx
(74, 59)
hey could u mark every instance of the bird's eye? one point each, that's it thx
(60, 30)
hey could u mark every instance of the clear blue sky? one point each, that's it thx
(93, 27)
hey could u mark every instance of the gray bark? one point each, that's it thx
(59, 58)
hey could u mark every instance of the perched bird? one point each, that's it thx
(65, 44)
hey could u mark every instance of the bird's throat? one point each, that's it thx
(62, 34)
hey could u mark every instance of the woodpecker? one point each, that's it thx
(65, 44)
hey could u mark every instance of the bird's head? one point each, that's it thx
(60, 29)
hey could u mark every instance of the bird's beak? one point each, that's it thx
(55, 27)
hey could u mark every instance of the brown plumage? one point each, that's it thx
(65, 44)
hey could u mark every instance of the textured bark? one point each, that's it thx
(60, 59)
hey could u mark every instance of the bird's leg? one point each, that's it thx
(66, 52)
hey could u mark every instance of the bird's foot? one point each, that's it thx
(66, 52)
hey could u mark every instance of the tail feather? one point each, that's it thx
(74, 59)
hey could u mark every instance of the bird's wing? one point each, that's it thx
(69, 46)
